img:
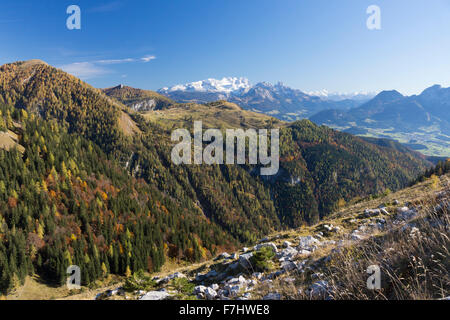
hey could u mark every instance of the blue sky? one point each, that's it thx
(307, 44)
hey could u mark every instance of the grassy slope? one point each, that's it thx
(218, 115)
(8, 141)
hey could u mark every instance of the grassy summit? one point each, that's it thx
(218, 115)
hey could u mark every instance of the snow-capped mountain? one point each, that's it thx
(226, 85)
(274, 99)
(339, 96)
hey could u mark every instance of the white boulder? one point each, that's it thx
(155, 295)
(210, 293)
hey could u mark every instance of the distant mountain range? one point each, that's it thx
(277, 100)
(420, 121)
(339, 96)
(206, 91)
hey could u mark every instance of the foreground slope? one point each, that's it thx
(406, 237)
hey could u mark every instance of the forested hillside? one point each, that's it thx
(322, 169)
(93, 183)
(442, 167)
(64, 202)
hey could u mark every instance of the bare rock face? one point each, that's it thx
(286, 244)
(368, 213)
(146, 105)
(244, 259)
(175, 275)
(308, 243)
(405, 213)
(288, 266)
(287, 254)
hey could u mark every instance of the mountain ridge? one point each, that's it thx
(243, 84)
(224, 85)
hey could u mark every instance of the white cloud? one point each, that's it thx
(92, 69)
(148, 58)
(115, 61)
(84, 70)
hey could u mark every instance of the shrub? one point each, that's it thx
(182, 285)
(139, 281)
(262, 259)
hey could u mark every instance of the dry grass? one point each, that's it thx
(9, 140)
(127, 125)
(36, 288)
(31, 63)
(220, 115)
(413, 265)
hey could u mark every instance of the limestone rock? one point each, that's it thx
(155, 295)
